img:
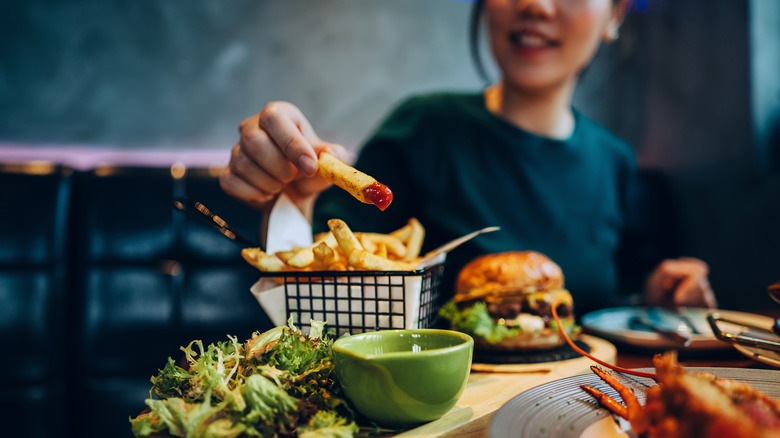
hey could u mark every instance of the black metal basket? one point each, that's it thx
(360, 301)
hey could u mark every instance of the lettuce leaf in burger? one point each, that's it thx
(504, 300)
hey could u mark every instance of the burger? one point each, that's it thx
(505, 300)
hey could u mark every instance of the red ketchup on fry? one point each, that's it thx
(379, 195)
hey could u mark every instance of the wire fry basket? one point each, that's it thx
(360, 301)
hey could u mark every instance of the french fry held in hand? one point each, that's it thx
(361, 186)
(340, 249)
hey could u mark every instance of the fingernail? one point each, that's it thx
(307, 165)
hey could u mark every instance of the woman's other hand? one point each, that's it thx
(680, 282)
(277, 153)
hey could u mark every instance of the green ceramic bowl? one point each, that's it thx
(402, 378)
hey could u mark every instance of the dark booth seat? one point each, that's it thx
(101, 280)
(150, 280)
(34, 206)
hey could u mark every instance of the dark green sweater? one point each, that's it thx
(457, 168)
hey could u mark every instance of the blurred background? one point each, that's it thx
(693, 85)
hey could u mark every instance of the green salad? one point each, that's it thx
(281, 383)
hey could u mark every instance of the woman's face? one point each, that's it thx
(545, 43)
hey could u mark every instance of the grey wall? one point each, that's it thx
(184, 73)
(181, 74)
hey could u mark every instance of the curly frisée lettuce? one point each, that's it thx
(280, 383)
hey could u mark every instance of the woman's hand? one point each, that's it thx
(680, 282)
(277, 152)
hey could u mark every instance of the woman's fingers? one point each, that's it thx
(256, 146)
(277, 151)
(292, 134)
(680, 282)
(244, 179)
(336, 150)
(694, 290)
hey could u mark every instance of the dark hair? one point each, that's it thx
(476, 15)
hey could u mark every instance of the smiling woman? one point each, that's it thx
(461, 161)
(474, 36)
(524, 52)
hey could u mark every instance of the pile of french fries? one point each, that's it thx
(342, 250)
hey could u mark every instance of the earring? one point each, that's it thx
(613, 33)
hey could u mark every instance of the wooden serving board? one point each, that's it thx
(490, 386)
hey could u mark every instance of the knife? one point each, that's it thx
(672, 319)
(680, 336)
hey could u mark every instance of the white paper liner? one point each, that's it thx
(287, 227)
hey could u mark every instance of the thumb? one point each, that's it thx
(338, 151)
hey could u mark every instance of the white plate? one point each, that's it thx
(561, 409)
(614, 324)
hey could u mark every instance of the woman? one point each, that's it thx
(516, 155)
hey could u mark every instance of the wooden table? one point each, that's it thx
(486, 392)
(728, 358)
(489, 390)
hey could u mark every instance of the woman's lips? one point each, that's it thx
(531, 41)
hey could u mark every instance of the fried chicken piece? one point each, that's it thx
(693, 404)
